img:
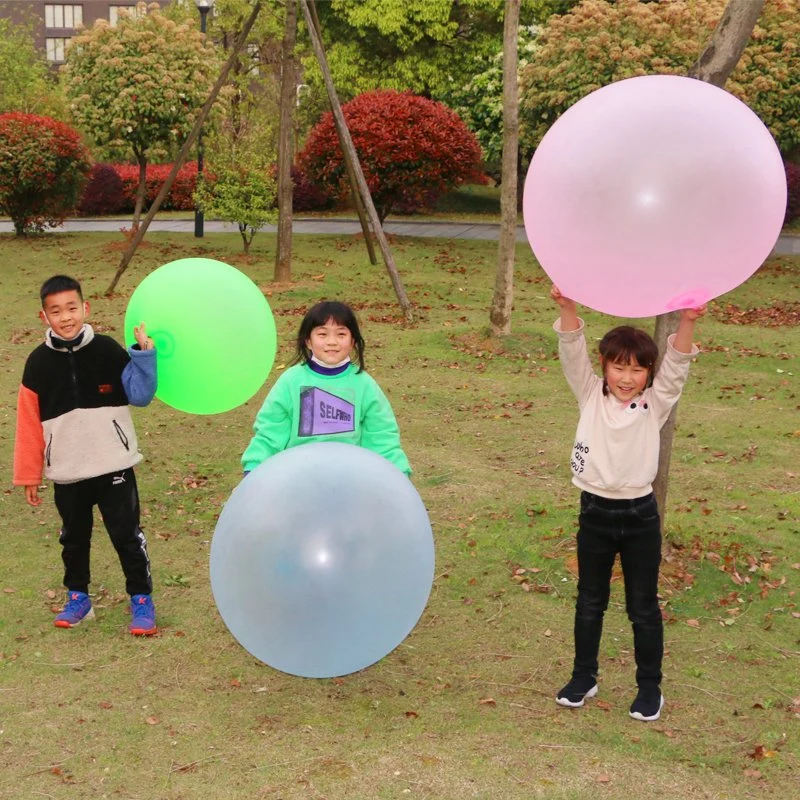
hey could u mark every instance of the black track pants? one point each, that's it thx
(117, 497)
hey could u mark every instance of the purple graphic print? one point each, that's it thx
(324, 413)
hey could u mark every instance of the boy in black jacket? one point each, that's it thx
(74, 423)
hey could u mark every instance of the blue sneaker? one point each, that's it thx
(77, 608)
(143, 615)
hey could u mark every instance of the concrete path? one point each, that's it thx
(786, 245)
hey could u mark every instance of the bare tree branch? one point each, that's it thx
(347, 143)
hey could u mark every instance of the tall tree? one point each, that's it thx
(599, 42)
(139, 84)
(283, 251)
(500, 313)
(715, 64)
(202, 116)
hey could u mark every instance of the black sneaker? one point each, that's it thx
(576, 691)
(648, 704)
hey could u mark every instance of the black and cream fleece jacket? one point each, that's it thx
(73, 415)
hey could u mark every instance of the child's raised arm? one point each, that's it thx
(683, 336)
(569, 313)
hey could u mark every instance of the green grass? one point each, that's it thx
(463, 708)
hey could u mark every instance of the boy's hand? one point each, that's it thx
(142, 339)
(694, 313)
(32, 495)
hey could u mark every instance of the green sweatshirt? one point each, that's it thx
(304, 406)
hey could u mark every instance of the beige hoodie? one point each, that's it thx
(615, 453)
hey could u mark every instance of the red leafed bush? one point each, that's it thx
(43, 167)
(180, 193)
(412, 151)
(793, 187)
(306, 195)
(103, 193)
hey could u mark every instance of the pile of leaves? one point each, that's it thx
(773, 316)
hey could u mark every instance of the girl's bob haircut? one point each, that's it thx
(320, 314)
(625, 345)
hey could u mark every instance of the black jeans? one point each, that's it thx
(117, 497)
(632, 529)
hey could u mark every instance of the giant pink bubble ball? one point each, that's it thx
(654, 194)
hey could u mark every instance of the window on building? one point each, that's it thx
(63, 15)
(113, 13)
(55, 48)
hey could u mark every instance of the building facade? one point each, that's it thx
(54, 24)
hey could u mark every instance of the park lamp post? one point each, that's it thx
(203, 6)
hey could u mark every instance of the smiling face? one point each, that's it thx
(330, 343)
(65, 313)
(625, 380)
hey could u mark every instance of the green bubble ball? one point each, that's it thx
(213, 331)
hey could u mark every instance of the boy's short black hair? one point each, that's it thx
(59, 283)
(318, 315)
(625, 344)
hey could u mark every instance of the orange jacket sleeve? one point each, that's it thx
(29, 442)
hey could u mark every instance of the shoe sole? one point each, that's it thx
(143, 631)
(565, 701)
(62, 623)
(642, 718)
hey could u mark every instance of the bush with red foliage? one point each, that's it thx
(180, 194)
(103, 193)
(306, 195)
(793, 190)
(412, 151)
(42, 170)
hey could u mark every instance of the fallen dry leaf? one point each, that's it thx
(487, 701)
(760, 752)
(693, 623)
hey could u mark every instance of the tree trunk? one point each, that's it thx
(715, 64)
(500, 313)
(283, 253)
(347, 143)
(348, 163)
(141, 189)
(127, 256)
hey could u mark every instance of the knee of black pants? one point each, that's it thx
(591, 606)
(649, 615)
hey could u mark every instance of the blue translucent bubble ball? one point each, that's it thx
(322, 560)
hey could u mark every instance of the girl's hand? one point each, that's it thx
(694, 313)
(555, 294)
(142, 339)
(568, 314)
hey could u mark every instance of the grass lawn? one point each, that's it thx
(464, 707)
